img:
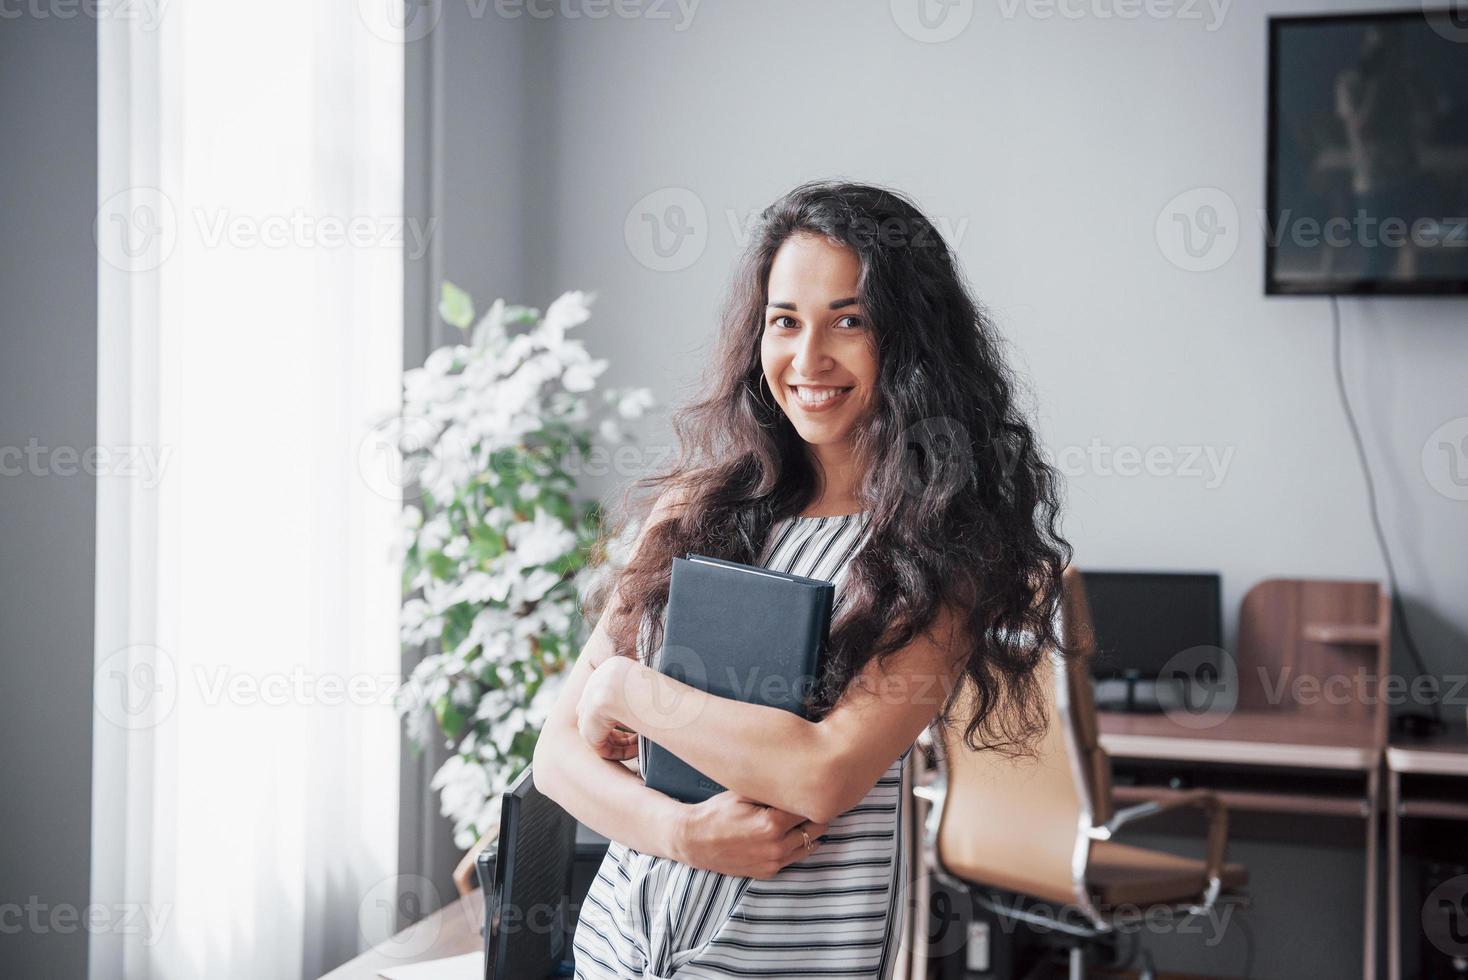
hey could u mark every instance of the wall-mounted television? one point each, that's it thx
(1367, 188)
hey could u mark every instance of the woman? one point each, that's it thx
(858, 425)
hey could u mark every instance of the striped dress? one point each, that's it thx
(836, 913)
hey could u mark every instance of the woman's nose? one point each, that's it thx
(811, 356)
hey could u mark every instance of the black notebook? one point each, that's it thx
(736, 631)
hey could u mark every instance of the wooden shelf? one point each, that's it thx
(1343, 633)
(1434, 809)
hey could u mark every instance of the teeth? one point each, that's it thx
(818, 395)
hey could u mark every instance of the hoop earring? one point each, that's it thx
(759, 397)
(765, 386)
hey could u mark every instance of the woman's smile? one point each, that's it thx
(819, 398)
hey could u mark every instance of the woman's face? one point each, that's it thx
(817, 340)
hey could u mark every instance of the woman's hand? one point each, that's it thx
(596, 711)
(735, 835)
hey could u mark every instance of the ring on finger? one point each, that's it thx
(805, 838)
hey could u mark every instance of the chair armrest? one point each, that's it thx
(464, 872)
(1202, 799)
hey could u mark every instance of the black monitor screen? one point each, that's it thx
(1368, 153)
(1144, 619)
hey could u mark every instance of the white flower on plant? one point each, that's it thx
(441, 361)
(541, 540)
(424, 388)
(434, 533)
(463, 694)
(634, 402)
(505, 731)
(539, 708)
(487, 815)
(582, 377)
(417, 623)
(463, 785)
(478, 587)
(490, 330)
(534, 586)
(570, 309)
(557, 615)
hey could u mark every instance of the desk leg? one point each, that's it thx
(1373, 809)
(1394, 875)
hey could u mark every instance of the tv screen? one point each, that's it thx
(1368, 154)
(1144, 620)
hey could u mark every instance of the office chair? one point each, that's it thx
(1014, 835)
(527, 885)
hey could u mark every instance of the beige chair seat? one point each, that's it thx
(1120, 874)
(1043, 826)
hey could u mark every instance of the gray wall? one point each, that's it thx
(48, 393)
(1051, 147)
(1054, 146)
(472, 164)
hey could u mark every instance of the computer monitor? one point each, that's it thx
(1143, 620)
(527, 901)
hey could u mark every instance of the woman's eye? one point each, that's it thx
(851, 322)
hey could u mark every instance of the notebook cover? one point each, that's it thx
(736, 631)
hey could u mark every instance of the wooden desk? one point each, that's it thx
(451, 931)
(1264, 740)
(1442, 756)
(1250, 738)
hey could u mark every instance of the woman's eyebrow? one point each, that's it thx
(835, 305)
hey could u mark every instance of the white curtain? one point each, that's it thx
(250, 252)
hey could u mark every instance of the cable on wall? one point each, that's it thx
(1399, 611)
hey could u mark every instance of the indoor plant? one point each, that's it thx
(496, 430)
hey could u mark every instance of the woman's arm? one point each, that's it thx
(602, 793)
(596, 788)
(817, 769)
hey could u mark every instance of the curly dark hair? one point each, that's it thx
(964, 511)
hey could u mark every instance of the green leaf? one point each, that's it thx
(485, 544)
(442, 566)
(455, 306)
(450, 719)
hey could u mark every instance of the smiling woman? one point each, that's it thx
(816, 353)
(857, 425)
